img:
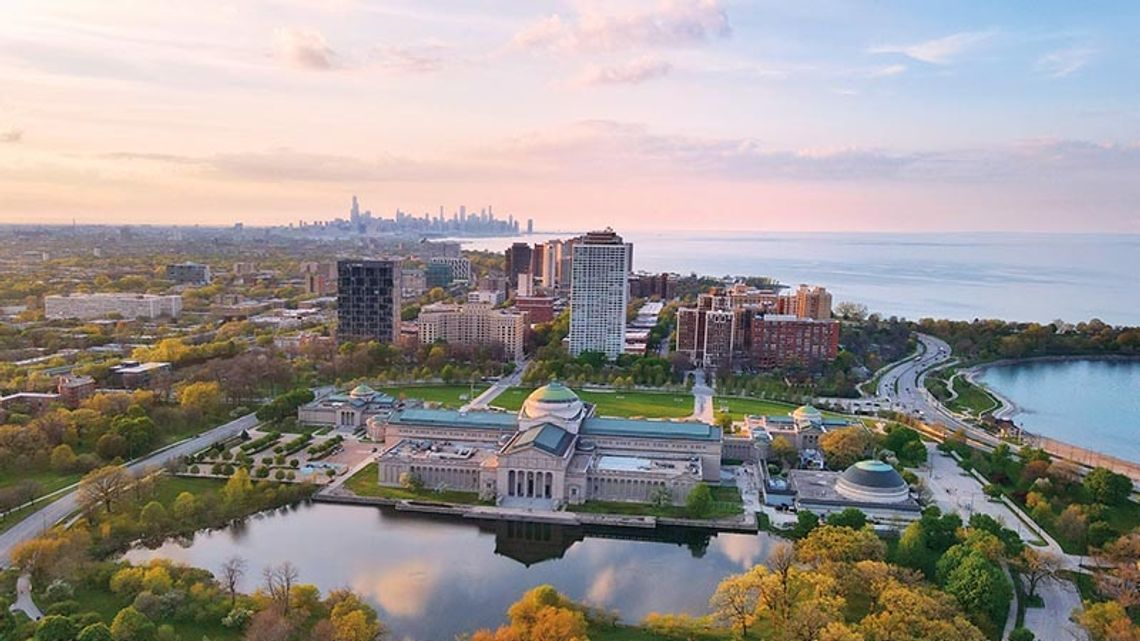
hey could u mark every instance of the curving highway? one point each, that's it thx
(903, 385)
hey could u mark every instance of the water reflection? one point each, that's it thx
(433, 577)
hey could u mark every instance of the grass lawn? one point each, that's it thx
(446, 395)
(364, 483)
(971, 398)
(167, 488)
(49, 480)
(615, 403)
(740, 407)
(726, 503)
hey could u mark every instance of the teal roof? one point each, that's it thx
(649, 429)
(548, 438)
(873, 466)
(553, 392)
(454, 418)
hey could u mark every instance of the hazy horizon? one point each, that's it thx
(644, 115)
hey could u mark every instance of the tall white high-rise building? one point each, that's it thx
(599, 293)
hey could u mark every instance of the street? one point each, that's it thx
(67, 502)
(503, 384)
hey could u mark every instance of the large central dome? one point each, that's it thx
(552, 403)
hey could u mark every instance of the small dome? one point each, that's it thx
(362, 391)
(872, 482)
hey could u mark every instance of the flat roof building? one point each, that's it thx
(91, 306)
(473, 324)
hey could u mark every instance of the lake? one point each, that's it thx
(1021, 277)
(1091, 403)
(431, 578)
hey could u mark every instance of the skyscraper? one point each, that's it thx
(599, 293)
(518, 262)
(368, 300)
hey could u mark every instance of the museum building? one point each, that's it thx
(554, 451)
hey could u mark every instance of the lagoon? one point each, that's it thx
(1091, 403)
(434, 577)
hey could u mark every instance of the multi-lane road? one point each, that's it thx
(904, 387)
(66, 501)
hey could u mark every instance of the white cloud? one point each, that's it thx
(940, 51)
(633, 72)
(304, 49)
(887, 71)
(671, 24)
(1064, 62)
(411, 59)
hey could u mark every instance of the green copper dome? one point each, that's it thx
(553, 392)
(362, 391)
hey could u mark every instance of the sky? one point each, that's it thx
(836, 115)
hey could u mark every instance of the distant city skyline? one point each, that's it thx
(678, 114)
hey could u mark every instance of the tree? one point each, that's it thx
(269, 625)
(1108, 621)
(1037, 566)
(700, 501)
(230, 575)
(132, 625)
(977, 583)
(783, 450)
(104, 486)
(203, 398)
(1021, 634)
(851, 517)
(55, 628)
(355, 625)
(735, 600)
(834, 544)
(95, 632)
(806, 521)
(62, 458)
(842, 448)
(238, 488)
(279, 582)
(185, 507)
(153, 516)
(724, 421)
(1072, 523)
(1108, 487)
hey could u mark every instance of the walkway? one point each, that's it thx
(503, 384)
(24, 602)
(1052, 622)
(702, 399)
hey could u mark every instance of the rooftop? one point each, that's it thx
(455, 418)
(549, 438)
(598, 426)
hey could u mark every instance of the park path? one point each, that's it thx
(503, 384)
(24, 602)
(1052, 622)
(702, 398)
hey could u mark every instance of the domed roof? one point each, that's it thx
(807, 412)
(553, 392)
(362, 391)
(555, 403)
(872, 481)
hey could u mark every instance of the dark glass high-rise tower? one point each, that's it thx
(368, 300)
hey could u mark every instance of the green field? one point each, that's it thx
(971, 398)
(740, 407)
(615, 403)
(445, 395)
(622, 632)
(365, 483)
